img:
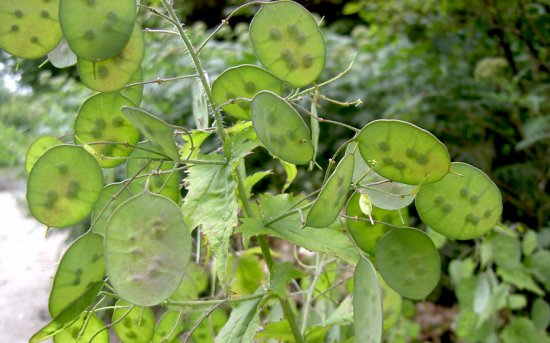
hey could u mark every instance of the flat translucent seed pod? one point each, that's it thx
(389, 195)
(409, 262)
(81, 266)
(30, 28)
(111, 197)
(69, 314)
(97, 29)
(161, 175)
(64, 185)
(147, 248)
(367, 303)
(333, 195)
(365, 234)
(134, 93)
(156, 130)
(113, 73)
(62, 56)
(38, 148)
(288, 42)
(403, 152)
(169, 326)
(133, 325)
(72, 332)
(243, 81)
(101, 120)
(281, 129)
(463, 206)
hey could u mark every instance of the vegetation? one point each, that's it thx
(295, 170)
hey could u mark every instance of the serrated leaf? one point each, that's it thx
(211, 202)
(241, 139)
(522, 330)
(253, 179)
(242, 324)
(518, 276)
(529, 242)
(281, 275)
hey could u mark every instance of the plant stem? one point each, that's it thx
(264, 246)
(198, 66)
(199, 303)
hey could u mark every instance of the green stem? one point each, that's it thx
(200, 303)
(264, 246)
(198, 66)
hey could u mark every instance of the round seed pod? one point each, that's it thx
(281, 129)
(244, 81)
(30, 28)
(288, 42)
(147, 249)
(403, 152)
(38, 148)
(465, 204)
(97, 29)
(134, 325)
(64, 185)
(409, 262)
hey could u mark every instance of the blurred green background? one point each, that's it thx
(476, 73)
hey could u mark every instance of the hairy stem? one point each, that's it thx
(198, 66)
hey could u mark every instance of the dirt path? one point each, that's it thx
(27, 264)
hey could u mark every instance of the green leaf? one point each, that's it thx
(63, 186)
(81, 266)
(419, 159)
(97, 29)
(367, 303)
(482, 294)
(279, 331)
(157, 131)
(288, 42)
(529, 243)
(409, 262)
(281, 129)
(540, 314)
(253, 179)
(133, 325)
(240, 141)
(211, 202)
(331, 241)
(343, 315)
(518, 276)
(522, 330)
(506, 250)
(461, 269)
(291, 172)
(147, 248)
(113, 73)
(242, 324)
(539, 267)
(333, 195)
(29, 29)
(69, 314)
(281, 275)
(247, 273)
(244, 81)
(464, 204)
